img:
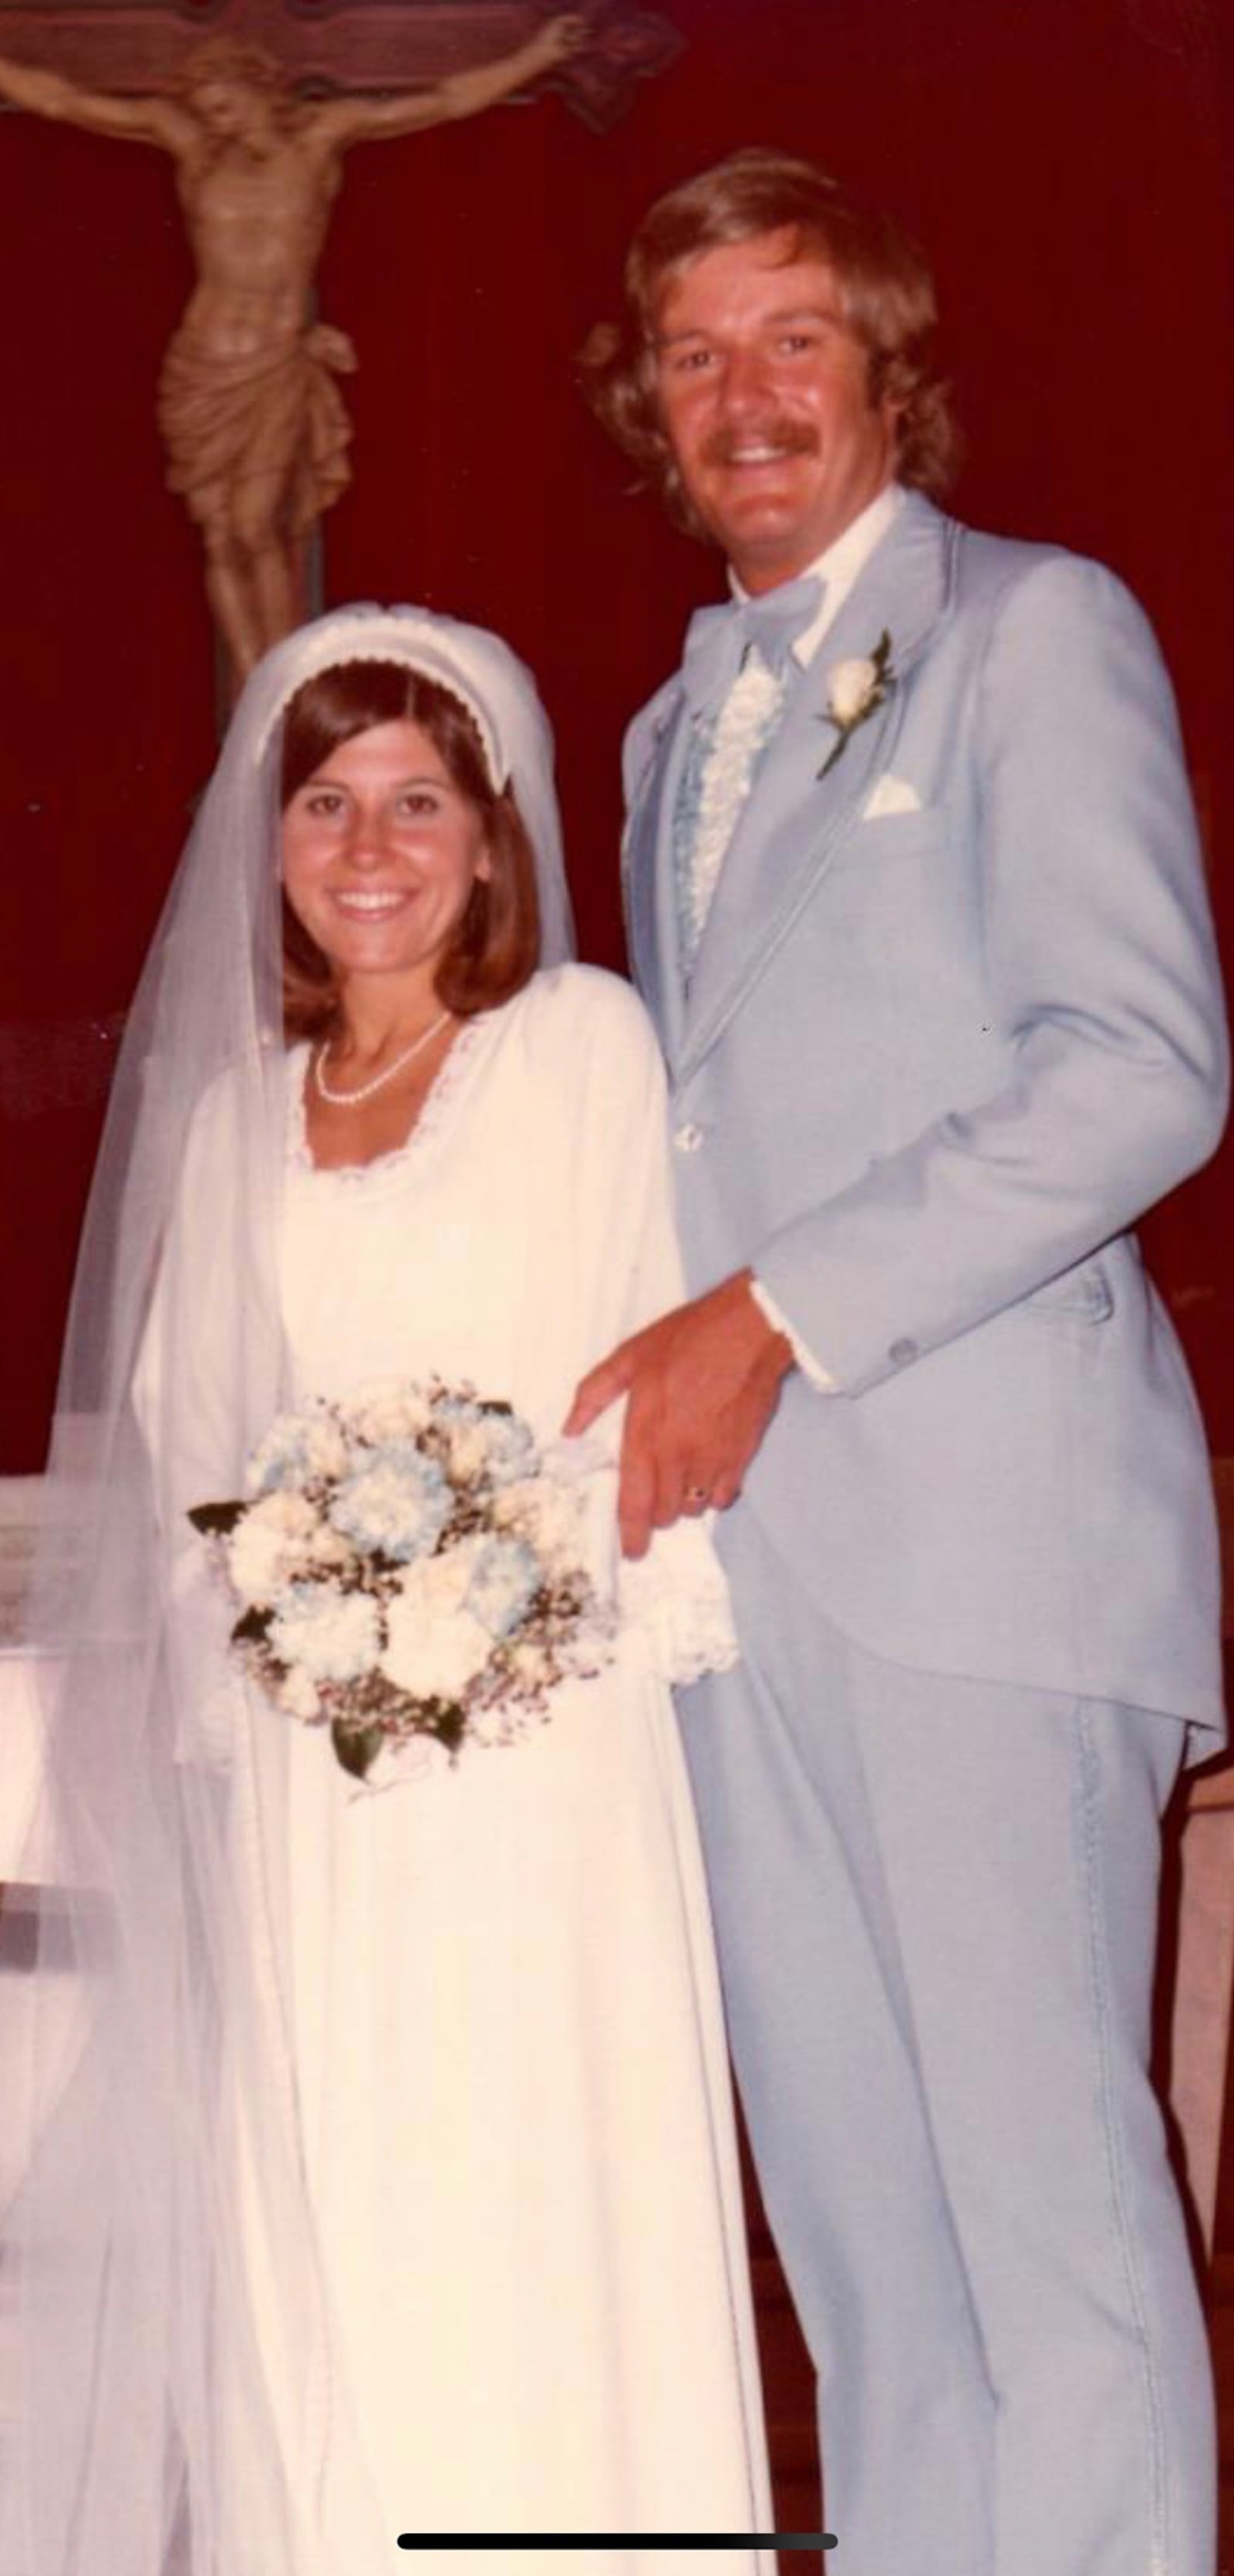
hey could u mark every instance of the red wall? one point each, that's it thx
(1063, 160)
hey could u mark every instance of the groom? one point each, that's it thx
(915, 898)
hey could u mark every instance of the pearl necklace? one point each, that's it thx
(347, 1099)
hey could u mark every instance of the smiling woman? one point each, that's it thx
(394, 2175)
(409, 895)
(380, 854)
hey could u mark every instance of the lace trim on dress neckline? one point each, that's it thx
(385, 1170)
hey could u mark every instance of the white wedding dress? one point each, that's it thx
(516, 2124)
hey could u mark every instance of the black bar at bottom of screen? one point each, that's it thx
(618, 2540)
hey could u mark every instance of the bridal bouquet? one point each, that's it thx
(405, 1566)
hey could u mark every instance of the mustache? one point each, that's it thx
(725, 443)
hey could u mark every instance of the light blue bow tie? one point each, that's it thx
(717, 639)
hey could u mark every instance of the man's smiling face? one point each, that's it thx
(764, 395)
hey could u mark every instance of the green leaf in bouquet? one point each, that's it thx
(449, 1724)
(216, 1520)
(357, 1747)
(253, 1629)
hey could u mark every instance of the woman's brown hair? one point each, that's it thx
(496, 946)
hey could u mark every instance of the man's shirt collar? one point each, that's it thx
(840, 565)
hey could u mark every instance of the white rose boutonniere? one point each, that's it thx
(854, 690)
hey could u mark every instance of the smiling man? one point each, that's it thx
(915, 897)
(765, 395)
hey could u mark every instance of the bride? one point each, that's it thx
(391, 2158)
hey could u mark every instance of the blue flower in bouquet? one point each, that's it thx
(484, 1446)
(511, 1449)
(399, 1505)
(505, 1579)
(331, 1635)
(298, 1449)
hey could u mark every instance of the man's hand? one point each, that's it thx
(703, 1383)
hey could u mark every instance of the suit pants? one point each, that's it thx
(936, 1901)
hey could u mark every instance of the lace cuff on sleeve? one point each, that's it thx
(674, 1602)
(677, 1599)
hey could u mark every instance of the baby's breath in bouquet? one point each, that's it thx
(406, 1567)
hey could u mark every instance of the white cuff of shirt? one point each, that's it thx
(810, 1368)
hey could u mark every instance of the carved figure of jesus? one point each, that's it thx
(253, 421)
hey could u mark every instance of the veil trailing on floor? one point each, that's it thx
(156, 2057)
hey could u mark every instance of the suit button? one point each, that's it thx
(902, 1352)
(687, 1138)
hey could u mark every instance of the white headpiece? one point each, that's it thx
(410, 636)
(138, 2321)
(475, 667)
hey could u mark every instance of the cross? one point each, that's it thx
(137, 46)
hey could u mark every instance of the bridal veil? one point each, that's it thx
(146, 2074)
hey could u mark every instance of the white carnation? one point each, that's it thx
(468, 1451)
(435, 1647)
(297, 1696)
(436, 1586)
(850, 687)
(390, 1412)
(548, 1515)
(271, 1545)
(325, 1449)
(432, 1651)
(332, 1636)
(330, 1549)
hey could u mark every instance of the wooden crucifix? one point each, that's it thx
(252, 418)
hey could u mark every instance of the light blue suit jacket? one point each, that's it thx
(930, 1070)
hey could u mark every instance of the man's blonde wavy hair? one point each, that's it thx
(884, 279)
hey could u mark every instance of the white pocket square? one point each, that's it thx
(890, 796)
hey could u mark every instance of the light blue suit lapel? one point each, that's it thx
(650, 890)
(794, 821)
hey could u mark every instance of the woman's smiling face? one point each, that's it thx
(380, 853)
